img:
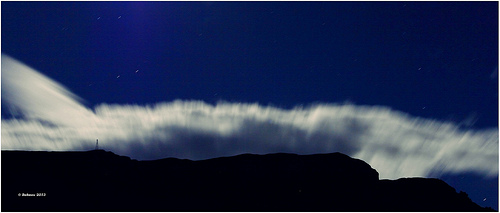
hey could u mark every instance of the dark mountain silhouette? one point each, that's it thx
(103, 181)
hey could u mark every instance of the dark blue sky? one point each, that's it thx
(434, 60)
(406, 55)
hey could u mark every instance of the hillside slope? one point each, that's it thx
(103, 181)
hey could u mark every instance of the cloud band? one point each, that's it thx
(394, 143)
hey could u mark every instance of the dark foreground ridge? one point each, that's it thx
(103, 181)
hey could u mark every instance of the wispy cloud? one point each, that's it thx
(394, 143)
(39, 97)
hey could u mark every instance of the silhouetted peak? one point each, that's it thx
(331, 165)
(247, 182)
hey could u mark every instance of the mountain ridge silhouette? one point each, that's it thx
(100, 180)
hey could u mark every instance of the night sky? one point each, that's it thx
(423, 64)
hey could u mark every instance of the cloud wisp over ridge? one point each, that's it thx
(49, 117)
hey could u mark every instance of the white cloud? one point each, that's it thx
(38, 96)
(394, 143)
